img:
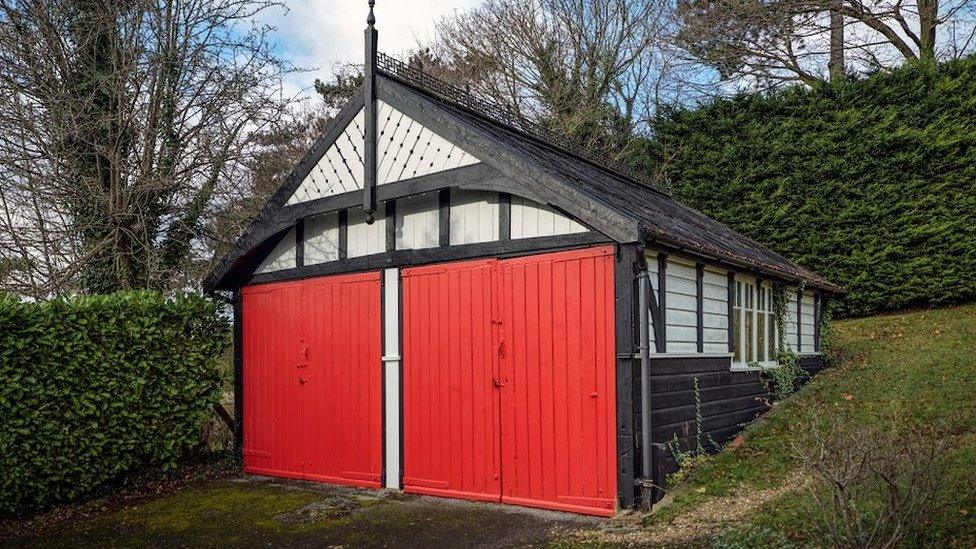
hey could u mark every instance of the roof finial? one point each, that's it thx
(371, 19)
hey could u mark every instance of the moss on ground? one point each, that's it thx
(251, 513)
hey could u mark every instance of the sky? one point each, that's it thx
(319, 34)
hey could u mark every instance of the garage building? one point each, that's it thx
(444, 301)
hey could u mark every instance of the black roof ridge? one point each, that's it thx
(502, 116)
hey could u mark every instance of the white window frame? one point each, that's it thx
(748, 301)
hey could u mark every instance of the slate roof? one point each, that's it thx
(662, 218)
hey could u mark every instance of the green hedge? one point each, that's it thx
(870, 183)
(96, 387)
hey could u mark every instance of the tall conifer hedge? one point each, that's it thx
(870, 183)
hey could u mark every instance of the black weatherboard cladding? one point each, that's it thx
(729, 400)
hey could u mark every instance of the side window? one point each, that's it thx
(753, 333)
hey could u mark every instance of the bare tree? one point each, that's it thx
(593, 70)
(126, 122)
(773, 41)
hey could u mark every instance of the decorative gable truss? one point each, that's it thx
(406, 149)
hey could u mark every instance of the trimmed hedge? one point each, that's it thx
(870, 183)
(97, 387)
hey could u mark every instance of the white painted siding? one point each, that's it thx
(791, 319)
(365, 239)
(405, 149)
(530, 220)
(322, 238)
(418, 222)
(715, 307)
(682, 307)
(282, 256)
(807, 323)
(651, 258)
(474, 216)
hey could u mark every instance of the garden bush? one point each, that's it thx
(97, 387)
(871, 183)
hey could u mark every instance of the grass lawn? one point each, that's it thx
(904, 373)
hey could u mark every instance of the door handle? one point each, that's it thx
(303, 380)
(497, 382)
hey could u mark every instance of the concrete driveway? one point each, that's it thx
(262, 512)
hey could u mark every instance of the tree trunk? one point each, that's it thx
(928, 15)
(835, 66)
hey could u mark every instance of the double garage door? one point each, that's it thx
(508, 389)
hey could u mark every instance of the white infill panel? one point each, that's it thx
(405, 149)
(363, 238)
(418, 222)
(682, 307)
(807, 323)
(791, 319)
(715, 311)
(322, 238)
(530, 220)
(651, 258)
(339, 170)
(474, 216)
(391, 374)
(283, 256)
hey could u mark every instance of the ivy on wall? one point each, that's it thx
(872, 184)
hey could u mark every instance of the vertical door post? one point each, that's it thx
(391, 377)
(625, 282)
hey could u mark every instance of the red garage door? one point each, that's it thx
(312, 379)
(509, 381)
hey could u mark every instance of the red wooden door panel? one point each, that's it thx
(341, 381)
(558, 404)
(271, 338)
(312, 379)
(509, 381)
(450, 402)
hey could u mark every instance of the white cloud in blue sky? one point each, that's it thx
(318, 34)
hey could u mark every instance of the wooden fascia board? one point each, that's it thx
(673, 247)
(531, 179)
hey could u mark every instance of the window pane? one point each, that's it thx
(736, 335)
(761, 338)
(750, 356)
(773, 337)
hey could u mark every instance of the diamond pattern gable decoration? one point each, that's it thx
(406, 149)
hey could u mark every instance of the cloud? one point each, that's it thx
(321, 34)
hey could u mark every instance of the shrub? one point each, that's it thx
(873, 487)
(869, 183)
(97, 387)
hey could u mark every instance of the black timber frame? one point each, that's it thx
(238, 306)
(627, 270)
(407, 258)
